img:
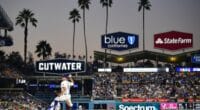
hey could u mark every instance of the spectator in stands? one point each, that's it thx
(146, 85)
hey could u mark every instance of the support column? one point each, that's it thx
(82, 89)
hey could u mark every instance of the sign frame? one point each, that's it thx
(189, 35)
(117, 36)
(62, 60)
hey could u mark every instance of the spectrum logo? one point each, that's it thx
(173, 40)
(137, 106)
(119, 41)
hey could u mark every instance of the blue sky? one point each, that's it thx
(54, 26)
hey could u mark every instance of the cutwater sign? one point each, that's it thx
(119, 41)
(60, 66)
(137, 106)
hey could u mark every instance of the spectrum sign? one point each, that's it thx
(137, 106)
(173, 40)
(119, 41)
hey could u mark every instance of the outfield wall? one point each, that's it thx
(118, 105)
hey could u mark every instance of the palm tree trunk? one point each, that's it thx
(5, 33)
(86, 52)
(143, 29)
(43, 56)
(73, 40)
(25, 43)
(143, 12)
(106, 32)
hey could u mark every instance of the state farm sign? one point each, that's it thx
(173, 40)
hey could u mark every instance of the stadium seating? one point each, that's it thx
(146, 85)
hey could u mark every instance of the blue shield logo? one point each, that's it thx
(131, 40)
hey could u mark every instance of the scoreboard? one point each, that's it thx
(189, 106)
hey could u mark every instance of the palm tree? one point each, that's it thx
(107, 4)
(60, 55)
(14, 59)
(24, 17)
(144, 5)
(68, 56)
(75, 17)
(84, 4)
(43, 49)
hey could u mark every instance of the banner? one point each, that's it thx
(187, 69)
(119, 41)
(145, 100)
(173, 40)
(60, 66)
(195, 59)
(168, 106)
(189, 106)
(137, 106)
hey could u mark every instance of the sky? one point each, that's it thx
(55, 27)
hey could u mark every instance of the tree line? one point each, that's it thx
(26, 18)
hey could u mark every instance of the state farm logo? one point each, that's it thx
(159, 41)
(173, 40)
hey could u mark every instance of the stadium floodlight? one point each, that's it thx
(173, 59)
(145, 70)
(104, 70)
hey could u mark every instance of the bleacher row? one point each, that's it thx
(146, 85)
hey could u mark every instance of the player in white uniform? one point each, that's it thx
(66, 84)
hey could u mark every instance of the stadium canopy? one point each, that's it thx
(149, 55)
(5, 22)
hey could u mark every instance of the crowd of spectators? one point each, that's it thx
(146, 85)
(20, 101)
(104, 86)
(10, 73)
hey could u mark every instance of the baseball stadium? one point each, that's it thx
(125, 71)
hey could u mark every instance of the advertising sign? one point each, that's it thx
(187, 69)
(189, 106)
(137, 106)
(133, 99)
(119, 41)
(196, 59)
(145, 100)
(173, 40)
(60, 66)
(5, 41)
(168, 106)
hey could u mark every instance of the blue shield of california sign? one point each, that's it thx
(119, 41)
(131, 40)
